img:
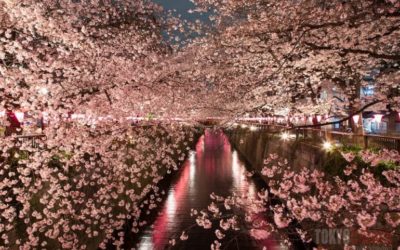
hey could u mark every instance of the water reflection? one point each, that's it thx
(212, 167)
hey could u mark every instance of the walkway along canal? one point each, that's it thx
(214, 166)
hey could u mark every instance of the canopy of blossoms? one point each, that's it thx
(101, 57)
(90, 66)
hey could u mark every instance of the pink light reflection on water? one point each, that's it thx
(213, 167)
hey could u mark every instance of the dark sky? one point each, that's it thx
(181, 7)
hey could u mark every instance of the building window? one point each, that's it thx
(367, 91)
(372, 127)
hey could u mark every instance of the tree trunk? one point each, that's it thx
(357, 128)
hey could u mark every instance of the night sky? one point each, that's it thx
(181, 7)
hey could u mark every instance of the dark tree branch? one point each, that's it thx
(354, 51)
(387, 33)
(338, 98)
(341, 120)
(108, 96)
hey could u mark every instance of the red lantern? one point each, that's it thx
(20, 116)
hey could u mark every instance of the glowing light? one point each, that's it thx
(253, 128)
(243, 126)
(171, 202)
(236, 174)
(2, 113)
(356, 118)
(20, 116)
(77, 116)
(319, 118)
(285, 136)
(45, 116)
(43, 91)
(192, 173)
(327, 146)
(378, 118)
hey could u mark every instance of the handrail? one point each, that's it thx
(345, 137)
(383, 136)
(342, 133)
(333, 131)
(30, 136)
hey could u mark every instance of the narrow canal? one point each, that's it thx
(214, 166)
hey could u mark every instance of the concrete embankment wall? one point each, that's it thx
(255, 146)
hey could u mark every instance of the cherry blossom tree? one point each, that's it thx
(107, 60)
(278, 54)
(364, 197)
(86, 178)
(257, 56)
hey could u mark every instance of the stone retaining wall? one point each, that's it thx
(255, 146)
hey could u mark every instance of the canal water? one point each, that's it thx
(214, 166)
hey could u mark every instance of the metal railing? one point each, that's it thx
(34, 139)
(389, 142)
(344, 138)
(317, 135)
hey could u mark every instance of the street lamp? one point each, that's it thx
(327, 146)
(286, 136)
